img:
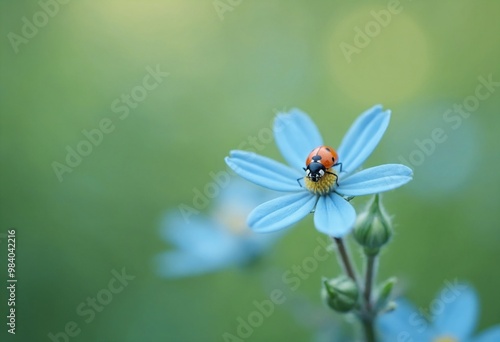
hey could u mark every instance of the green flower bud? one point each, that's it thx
(373, 228)
(341, 293)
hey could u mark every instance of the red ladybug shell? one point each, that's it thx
(325, 155)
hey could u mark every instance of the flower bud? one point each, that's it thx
(341, 293)
(373, 228)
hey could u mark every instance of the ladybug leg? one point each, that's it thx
(337, 164)
(298, 179)
(336, 177)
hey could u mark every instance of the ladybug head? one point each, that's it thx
(314, 171)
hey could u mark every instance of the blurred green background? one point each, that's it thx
(229, 73)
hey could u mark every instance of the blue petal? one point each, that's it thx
(212, 250)
(459, 314)
(334, 216)
(264, 171)
(490, 335)
(362, 138)
(405, 323)
(258, 244)
(243, 195)
(296, 136)
(375, 179)
(281, 212)
(178, 264)
(186, 231)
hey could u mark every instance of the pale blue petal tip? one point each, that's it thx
(490, 335)
(459, 315)
(375, 180)
(281, 212)
(404, 323)
(456, 317)
(296, 134)
(263, 171)
(334, 216)
(362, 137)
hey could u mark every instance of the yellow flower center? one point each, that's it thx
(324, 185)
(445, 339)
(234, 219)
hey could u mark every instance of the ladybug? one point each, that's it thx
(319, 161)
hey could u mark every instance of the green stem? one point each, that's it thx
(369, 331)
(368, 316)
(371, 266)
(344, 257)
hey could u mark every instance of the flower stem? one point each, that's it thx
(369, 330)
(371, 265)
(368, 315)
(344, 257)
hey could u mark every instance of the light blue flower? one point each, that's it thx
(209, 243)
(454, 314)
(296, 136)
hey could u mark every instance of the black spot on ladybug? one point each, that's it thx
(327, 149)
(316, 158)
